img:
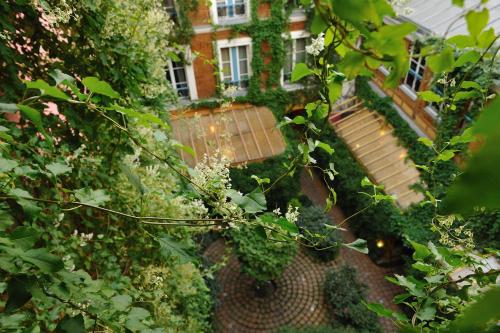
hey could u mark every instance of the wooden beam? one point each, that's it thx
(253, 134)
(372, 142)
(240, 135)
(407, 180)
(264, 130)
(350, 108)
(337, 123)
(357, 129)
(383, 156)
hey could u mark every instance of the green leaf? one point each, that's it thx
(92, 197)
(18, 291)
(465, 95)
(325, 146)
(469, 56)
(69, 324)
(459, 3)
(422, 267)
(24, 237)
(478, 315)
(426, 141)
(44, 260)
(478, 185)
(57, 168)
(442, 62)
(7, 165)
(421, 251)
(352, 64)
(466, 137)
(334, 91)
(318, 24)
(471, 84)
(170, 247)
(329, 35)
(61, 77)
(99, 87)
(145, 119)
(430, 96)
(251, 203)
(446, 155)
(35, 117)
(135, 319)
(379, 309)
(121, 302)
(286, 225)
(359, 245)
(299, 120)
(461, 41)
(477, 21)
(427, 312)
(300, 71)
(46, 89)
(173, 56)
(486, 38)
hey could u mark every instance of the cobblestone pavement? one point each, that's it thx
(298, 299)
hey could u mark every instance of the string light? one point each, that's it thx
(380, 243)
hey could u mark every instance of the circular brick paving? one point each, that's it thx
(296, 301)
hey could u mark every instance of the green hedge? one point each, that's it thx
(345, 296)
(325, 241)
(317, 329)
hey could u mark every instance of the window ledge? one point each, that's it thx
(233, 21)
(292, 86)
(432, 112)
(408, 91)
(298, 15)
(384, 70)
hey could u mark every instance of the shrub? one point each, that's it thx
(344, 295)
(312, 224)
(281, 193)
(261, 258)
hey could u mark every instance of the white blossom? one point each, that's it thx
(317, 45)
(292, 214)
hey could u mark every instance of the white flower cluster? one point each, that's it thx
(401, 8)
(292, 214)
(230, 91)
(84, 238)
(211, 177)
(317, 45)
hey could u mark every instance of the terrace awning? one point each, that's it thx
(242, 133)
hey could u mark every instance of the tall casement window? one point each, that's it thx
(231, 9)
(170, 8)
(295, 53)
(235, 65)
(416, 71)
(176, 74)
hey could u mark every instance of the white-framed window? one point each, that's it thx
(295, 52)
(234, 60)
(415, 73)
(176, 74)
(230, 11)
(181, 75)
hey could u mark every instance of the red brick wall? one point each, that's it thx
(203, 71)
(413, 108)
(202, 46)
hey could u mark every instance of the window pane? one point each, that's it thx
(239, 8)
(300, 44)
(242, 52)
(243, 67)
(225, 54)
(300, 57)
(226, 70)
(180, 75)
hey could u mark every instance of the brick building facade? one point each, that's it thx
(217, 53)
